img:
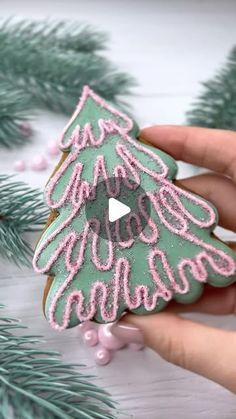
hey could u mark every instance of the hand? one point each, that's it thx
(204, 350)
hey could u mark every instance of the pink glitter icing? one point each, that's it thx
(165, 201)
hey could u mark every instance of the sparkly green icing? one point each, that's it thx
(174, 246)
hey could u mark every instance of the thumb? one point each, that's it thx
(199, 348)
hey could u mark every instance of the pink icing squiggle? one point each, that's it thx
(150, 238)
(168, 206)
(121, 173)
(224, 264)
(68, 244)
(107, 296)
(130, 160)
(71, 185)
(100, 294)
(178, 208)
(175, 192)
(106, 126)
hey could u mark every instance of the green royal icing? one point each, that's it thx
(176, 248)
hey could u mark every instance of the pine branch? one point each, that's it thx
(14, 106)
(54, 34)
(21, 210)
(216, 106)
(54, 75)
(35, 383)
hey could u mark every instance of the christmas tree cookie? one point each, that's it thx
(165, 250)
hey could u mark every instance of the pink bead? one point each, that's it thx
(19, 165)
(39, 163)
(90, 337)
(107, 339)
(136, 346)
(83, 327)
(26, 129)
(53, 148)
(102, 356)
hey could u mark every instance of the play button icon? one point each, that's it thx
(116, 209)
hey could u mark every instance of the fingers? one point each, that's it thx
(220, 191)
(220, 301)
(210, 148)
(232, 245)
(201, 349)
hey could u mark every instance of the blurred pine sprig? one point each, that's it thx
(35, 383)
(216, 106)
(53, 61)
(15, 108)
(21, 211)
(49, 34)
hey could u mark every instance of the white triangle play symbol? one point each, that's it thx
(116, 209)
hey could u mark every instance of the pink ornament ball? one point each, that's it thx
(39, 163)
(107, 339)
(19, 166)
(83, 327)
(102, 356)
(26, 129)
(53, 148)
(90, 337)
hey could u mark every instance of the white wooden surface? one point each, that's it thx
(169, 47)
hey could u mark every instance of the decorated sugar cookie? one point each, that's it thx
(162, 249)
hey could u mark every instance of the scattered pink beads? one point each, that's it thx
(26, 129)
(90, 337)
(83, 327)
(102, 356)
(39, 163)
(19, 165)
(108, 343)
(53, 148)
(107, 339)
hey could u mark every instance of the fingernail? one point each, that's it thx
(127, 333)
(147, 126)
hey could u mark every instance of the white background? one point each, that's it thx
(169, 46)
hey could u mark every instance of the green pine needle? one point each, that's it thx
(216, 106)
(21, 210)
(14, 105)
(53, 66)
(59, 34)
(35, 383)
